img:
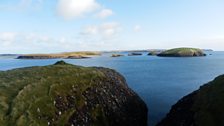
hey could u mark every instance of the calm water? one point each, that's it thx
(159, 81)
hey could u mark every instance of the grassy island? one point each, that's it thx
(182, 52)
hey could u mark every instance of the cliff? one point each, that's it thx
(64, 94)
(203, 107)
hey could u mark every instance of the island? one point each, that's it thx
(134, 54)
(182, 52)
(116, 55)
(66, 55)
(203, 107)
(67, 95)
(9, 55)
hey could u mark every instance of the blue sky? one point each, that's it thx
(43, 26)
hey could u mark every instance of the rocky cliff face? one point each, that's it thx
(204, 107)
(64, 94)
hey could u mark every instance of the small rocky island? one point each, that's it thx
(67, 95)
(66, 55)
(116, 55)
(182, 52)
(135, 54)
(204, 107)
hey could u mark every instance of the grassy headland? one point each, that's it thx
(64, 94)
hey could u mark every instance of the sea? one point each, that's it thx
(159, 81)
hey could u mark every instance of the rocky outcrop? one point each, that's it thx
(116, 55)
(77, 57)
(64, 94)
(182, 52)
(203, 107)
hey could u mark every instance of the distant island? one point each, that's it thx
(135, 54)
(203, 107)
(9, 54)
(66, 55)
(176, 52)
(182, 52)
(67, 95)
(116, 55)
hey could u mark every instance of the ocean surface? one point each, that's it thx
(159, 81)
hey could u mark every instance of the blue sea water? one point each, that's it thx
(159, 81)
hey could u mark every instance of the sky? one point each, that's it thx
(49, 26)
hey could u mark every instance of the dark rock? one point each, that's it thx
(116, 55)
(77, 57)
(203, 107)
(134, 54)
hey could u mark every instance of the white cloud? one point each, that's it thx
(105, 30)
(76, 8)
(21, 5)
(6, 38)
(105, 13)
(110, 29)
(91, 30)
(137, 28)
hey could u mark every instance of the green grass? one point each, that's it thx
(27, 95)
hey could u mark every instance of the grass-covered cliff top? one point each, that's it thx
(61, 55)
(182, 52)
(64, 94)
